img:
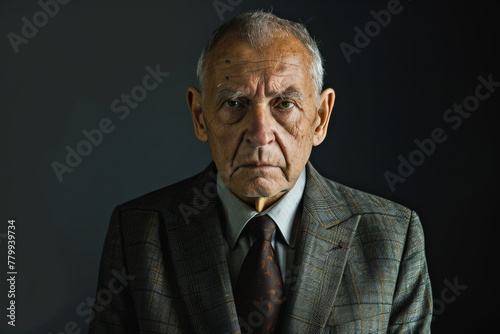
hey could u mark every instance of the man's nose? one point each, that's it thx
(260, 126)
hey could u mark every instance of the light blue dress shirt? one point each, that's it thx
(285, 213)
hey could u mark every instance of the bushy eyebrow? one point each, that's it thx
(230, 94)
(227, 94)
(291, 93)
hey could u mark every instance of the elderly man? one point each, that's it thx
(259, 242)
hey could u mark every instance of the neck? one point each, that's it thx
(262, 203)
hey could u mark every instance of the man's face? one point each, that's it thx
(259, 114)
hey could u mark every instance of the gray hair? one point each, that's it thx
(257, 27)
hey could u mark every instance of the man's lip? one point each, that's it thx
(257, 166)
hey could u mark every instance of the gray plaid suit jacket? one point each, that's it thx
(359, 265)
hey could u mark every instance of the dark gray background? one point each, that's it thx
(394, 91)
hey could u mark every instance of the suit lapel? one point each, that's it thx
(198, 253)
(325, 234)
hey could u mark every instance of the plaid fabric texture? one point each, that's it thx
(359, 265)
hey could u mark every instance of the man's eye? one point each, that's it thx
(285, 105)
(232, 104)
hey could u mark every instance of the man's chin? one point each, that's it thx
(252, 183)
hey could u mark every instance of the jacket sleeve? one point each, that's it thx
(412, 304)
(113, 310)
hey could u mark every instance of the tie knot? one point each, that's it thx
(262, 227)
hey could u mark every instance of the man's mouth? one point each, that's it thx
(260, 165)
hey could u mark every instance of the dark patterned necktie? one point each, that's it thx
(259, 289)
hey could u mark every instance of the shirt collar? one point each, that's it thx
(238, 213)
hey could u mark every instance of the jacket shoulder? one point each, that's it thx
(360, 202)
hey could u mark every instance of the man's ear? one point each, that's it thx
(193, 97)
(325, 106)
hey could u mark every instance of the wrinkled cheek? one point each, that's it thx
(222, 148)
(298, 141)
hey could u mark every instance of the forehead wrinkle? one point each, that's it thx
(259, 69)
(277, 65)
(247, 83)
